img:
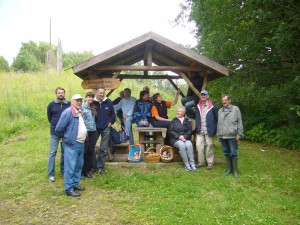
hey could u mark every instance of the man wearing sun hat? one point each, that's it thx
(72, 129)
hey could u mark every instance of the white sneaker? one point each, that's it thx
(51, 179)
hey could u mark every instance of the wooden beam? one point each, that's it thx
(116, 74)
(175, 86)
(148, 55)
(148, 68)
(152, 77)
(111, 91)
(191, 85)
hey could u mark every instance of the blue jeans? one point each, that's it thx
(186, 151)
(105, 136)
(73, 165)
(54, 141)
(128, 129)
(229, 147)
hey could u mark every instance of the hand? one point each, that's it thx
(238, 138)
(125, 117)
(181, 137)
(109, 125)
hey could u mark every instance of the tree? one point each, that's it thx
(259, 41)
(26, 62)
(72, 58)
(4, 66)
(31, 57)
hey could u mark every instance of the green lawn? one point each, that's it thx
(268, 191)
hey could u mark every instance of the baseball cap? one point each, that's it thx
(76, 96)
(205, 92)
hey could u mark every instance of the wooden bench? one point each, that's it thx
(151, 136)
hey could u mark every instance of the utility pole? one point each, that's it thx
(50, 32)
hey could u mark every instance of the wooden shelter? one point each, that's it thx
(157, 54)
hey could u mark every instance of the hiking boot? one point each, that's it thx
(210, 166)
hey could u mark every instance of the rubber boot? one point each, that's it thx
(234, 165)
(229, 166)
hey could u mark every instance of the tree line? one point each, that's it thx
(259, 41)
(32, 58)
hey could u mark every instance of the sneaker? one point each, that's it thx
(193, 167)
(101, 171)
(51, 179)
(188, 168)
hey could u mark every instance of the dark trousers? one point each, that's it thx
(105, 135)
(89, 152)
(163, 124)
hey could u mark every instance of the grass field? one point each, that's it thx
(267, 193)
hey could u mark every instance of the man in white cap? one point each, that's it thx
(206, 128)
(72, 129)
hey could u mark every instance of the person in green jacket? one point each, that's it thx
(229, 132)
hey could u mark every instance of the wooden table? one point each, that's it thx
(157, 140)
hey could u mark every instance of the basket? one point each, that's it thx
(151, 155)
(166, 153)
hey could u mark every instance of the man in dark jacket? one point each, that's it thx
(105, 118)
(206, 128)
(54, 110)
(191, 100)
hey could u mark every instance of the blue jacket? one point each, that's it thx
(88, 117)
(142, 111)
(105, 113)
(67, 126)
(211, 118)
(54, 111)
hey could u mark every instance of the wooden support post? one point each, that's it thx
(175, 86)
(205, 81)
(187, 80)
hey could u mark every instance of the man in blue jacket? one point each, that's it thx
(72, 129)
(104, 119)
(206, 128)
(54, 110)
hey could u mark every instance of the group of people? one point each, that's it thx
(78, 124)
(226, 122)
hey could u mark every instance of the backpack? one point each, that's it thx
(114, 134)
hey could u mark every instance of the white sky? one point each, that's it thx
(90, 25)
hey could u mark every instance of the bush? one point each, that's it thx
(285, 137)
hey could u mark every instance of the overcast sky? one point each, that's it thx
(90, 25)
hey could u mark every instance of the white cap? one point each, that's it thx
(76, 96)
